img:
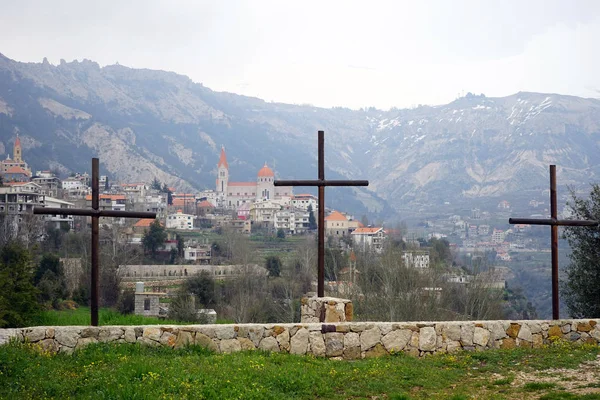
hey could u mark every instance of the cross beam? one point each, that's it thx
(321, 183)
(95, 213)
(554, 223)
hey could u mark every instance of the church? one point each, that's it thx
(233, 194)
(15, 169)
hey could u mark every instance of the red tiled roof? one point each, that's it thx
(144, 223)
(365, 230)
(336, 216)
(265, 172)
(205, 203)
(16, 170)
(223, 159)
(107, 196)
(230, 184)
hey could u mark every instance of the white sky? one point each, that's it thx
(326, 53)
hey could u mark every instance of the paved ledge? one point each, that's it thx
(349, 340)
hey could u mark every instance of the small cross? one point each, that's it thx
(95, 213)
(321, 183)
(554, 223)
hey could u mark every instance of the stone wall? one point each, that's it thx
(325, 309)
(341, 340)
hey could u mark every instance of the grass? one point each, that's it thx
(106, 316)
(131, 372)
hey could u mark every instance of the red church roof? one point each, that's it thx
(265, 172)
(223, 159)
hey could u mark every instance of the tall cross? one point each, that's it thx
(95, 213)
(554, 223)
(321, 183)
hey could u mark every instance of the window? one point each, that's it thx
(146, 304)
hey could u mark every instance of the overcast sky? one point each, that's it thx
(326, 53)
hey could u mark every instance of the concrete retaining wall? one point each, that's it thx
(340, 340)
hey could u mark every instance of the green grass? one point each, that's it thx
(106, 316)
(132, 372)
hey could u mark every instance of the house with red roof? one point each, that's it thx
(336, 224)
(369, 238)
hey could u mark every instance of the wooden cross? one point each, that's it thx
(95, 213)
(554, 223)
(321, 183)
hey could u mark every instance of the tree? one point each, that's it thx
(312, 222)
(280, 233)
(165, 189)
(18, 296)
(581, 289)
(156, 184)
(180, 246)
(154, 238)
(273, 265)
(203, 287)
(50, 280)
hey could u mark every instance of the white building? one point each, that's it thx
(303, 201)
(57, 220)
(180, 221)
(369, 238)
(264, 211)
(416, 259)
(498, 236)
(286, 220)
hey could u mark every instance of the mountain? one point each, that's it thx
(145, 124)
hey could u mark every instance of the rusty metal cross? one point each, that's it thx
(95, 213)
(554, 223)
(321, 183)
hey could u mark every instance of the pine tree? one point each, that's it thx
(312, 223)
(18, 301)
(581, 289)
(154, 238)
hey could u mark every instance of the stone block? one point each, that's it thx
(396, 340)
(334, 344)
(36, 334)
(451, 332)
(255, 334)
(67, 336)
(466, 334)
(269, 344)
(369, 338)
(48, 345)
(554, 332)
(90, 332)
(584, 327)
(83, 342)
(513, 330)
(204, 341)
(284, 340)
(377, 351)
(167, 339)
(481, 336)
(225, 332)
(184, 338)
(299, 342)
(229, 346)
(246, 344)
(109, 334)
(525, 333)
(50, 333)
(152, 333)
(129, 335)
(427, 339)
(317, 344)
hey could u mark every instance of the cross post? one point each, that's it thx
(321, 183)
(95, 213)
(554, 223)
